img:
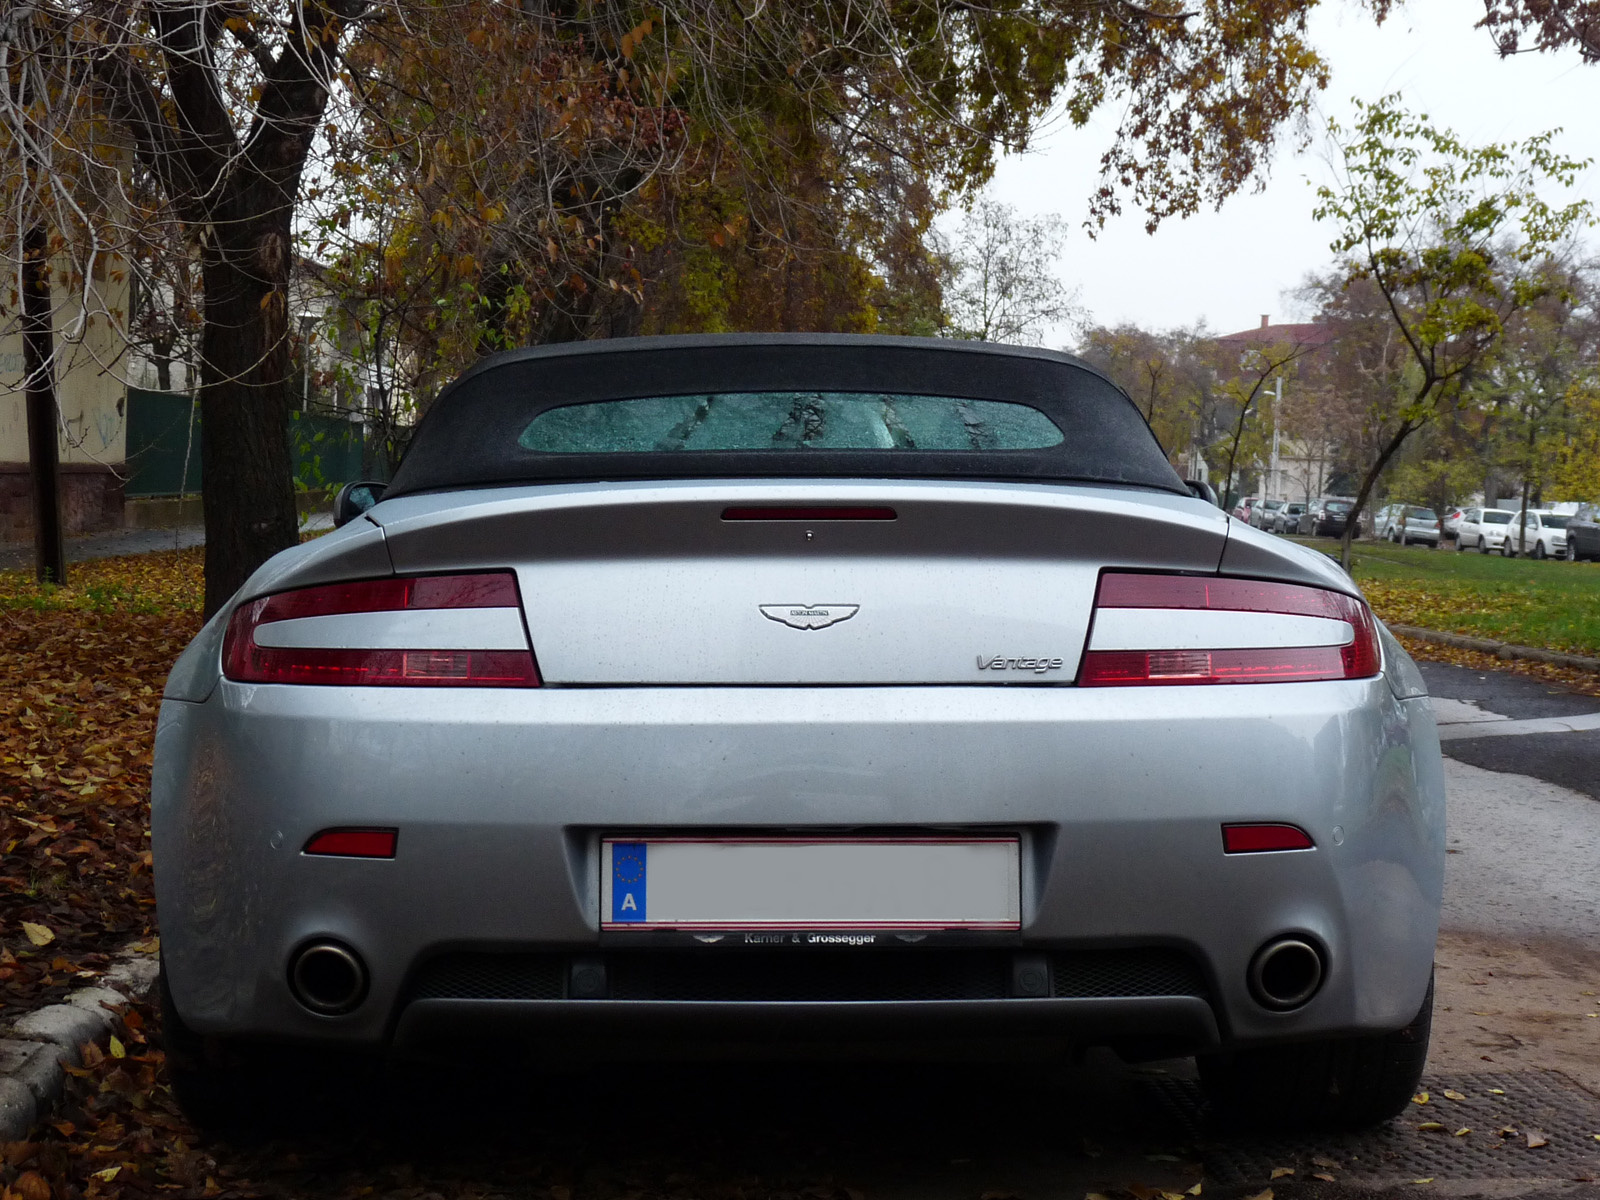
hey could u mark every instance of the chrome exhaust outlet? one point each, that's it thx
(1285, 973)
(328, 978)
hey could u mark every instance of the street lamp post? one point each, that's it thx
(308, 322)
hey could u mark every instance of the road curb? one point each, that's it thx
(37, 1048)
(1506, 650)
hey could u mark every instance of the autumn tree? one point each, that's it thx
(1003, 285)
(831, 114)
(1520, 26)
(1451, 238)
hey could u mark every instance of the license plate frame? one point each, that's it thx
(905, 883)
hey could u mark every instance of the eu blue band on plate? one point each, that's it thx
(628, 862)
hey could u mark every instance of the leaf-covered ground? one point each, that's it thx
(81, 670)
(1549, 604)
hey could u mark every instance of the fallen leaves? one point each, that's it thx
(1536, 1138)
(81, 671)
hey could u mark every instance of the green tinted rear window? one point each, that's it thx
(788, 421)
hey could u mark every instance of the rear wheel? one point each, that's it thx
(1538, 550)
(232, 1086)
(1338, 1083)
(208, 1079)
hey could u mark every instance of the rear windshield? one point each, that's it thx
(776, 406)
(1496, 518)
(1421, 514)
(780, 421)
(1553, 520)
(1336, 506)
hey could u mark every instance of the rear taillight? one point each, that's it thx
(1188, 629)
(422, 631)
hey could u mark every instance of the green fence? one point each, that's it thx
(326, 450)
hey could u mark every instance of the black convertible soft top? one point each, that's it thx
(474, 435)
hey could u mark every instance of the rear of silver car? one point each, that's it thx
(789, 760)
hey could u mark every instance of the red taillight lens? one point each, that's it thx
(1252, 839)
(274, 639)
(354, 843)
(1151, 646)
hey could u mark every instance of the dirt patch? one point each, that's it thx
(1517, 1005)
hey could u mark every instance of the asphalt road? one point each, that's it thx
(1570, 760)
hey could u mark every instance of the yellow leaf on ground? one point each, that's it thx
(1462, 1132)
(1280, 1172)
(1324, 1176)
(1264, 1194)
(1195, 1190)
(1420, 1098)
(1449, 1095)
(107, 1175)
(39, 935)
(117, 1049)
(1430, 1126)
(1429, 1179)
(1536, 1138)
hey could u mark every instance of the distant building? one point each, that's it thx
(90, 394)
(1296, 468)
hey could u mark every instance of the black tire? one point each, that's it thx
(1483, 546)
(209, 1078)
(1338, 1083)
(1459, 546)
(1538, 550)
(244, 1088)
(1505, 549)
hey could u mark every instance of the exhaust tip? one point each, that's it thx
(1285, 973)
(328, 978)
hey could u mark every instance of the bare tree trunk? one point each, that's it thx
(1353, 519)
(244, 405)
(38, 366)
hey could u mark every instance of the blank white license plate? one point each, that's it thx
(810, 883)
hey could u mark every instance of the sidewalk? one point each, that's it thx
(19, 555)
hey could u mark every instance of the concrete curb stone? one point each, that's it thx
(1506, 650)
(40, 1045)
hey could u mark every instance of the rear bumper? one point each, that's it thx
(501, 798)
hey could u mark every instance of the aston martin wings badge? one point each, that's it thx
(809, 616)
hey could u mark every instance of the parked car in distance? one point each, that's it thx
(1407, 523)
(1538, 533)
(1262, 514)
(1583, 533)
(1450, 523)
(1483, 529)
(1287, 518)
(1241, 510)
(1326, 518)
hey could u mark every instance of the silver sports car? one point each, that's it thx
(796, 693)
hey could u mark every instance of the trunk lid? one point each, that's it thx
(652, 584)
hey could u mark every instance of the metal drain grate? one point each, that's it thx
(1567, 1116)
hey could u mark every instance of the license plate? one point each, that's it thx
(810, 883)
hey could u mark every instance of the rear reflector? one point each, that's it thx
(809, 514)
(1199, 629)
(354, 843)
(365, 652)
(1251, 839)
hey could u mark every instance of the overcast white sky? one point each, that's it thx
(1231, 266)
